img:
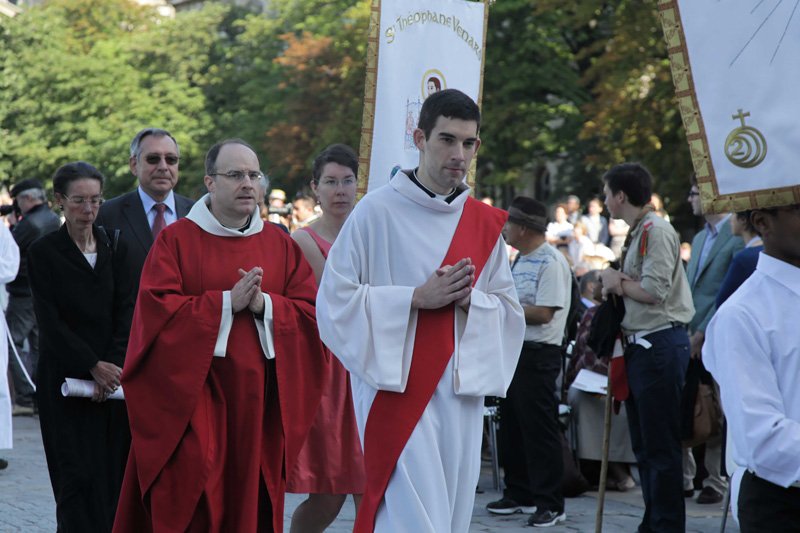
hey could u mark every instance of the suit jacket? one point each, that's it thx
(126, 213)
(37, 222)
(707, 284)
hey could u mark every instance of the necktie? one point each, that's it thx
(159, 222)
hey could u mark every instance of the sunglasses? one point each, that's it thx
(153, 159)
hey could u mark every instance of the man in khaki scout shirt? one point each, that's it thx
(658, 304)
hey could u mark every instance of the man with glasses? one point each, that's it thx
(224, 368)
(141, 214)
(713, 249)
(35, 220)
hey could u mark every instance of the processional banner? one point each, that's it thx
(416, 47)
(736, 71)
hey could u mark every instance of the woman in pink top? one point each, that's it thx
(331, 464)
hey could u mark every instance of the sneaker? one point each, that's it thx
(546, 518)
(509, 506)
(622, 486)
(709, 495)
(3, 464)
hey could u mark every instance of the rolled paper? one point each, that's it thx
(83, 388)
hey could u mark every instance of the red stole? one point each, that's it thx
(393, 416)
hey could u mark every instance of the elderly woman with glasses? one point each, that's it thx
(81, 292)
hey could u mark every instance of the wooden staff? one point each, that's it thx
(601, 491)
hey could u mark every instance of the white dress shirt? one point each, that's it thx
(752, 348)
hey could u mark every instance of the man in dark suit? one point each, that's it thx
(713, 249)
(141, 214)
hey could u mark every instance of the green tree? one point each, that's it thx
(66, 96)
(294, 83)
(631, 114)
(531, 98)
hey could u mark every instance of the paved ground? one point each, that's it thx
(26, 500)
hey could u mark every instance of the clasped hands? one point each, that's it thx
(247, 291)
(448, 284)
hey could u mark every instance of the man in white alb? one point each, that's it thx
(418, 302)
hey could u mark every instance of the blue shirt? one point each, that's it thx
(712, 232)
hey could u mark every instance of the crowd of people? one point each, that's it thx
(330, 349)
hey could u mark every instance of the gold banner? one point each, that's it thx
(745, 146)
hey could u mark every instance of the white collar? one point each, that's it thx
(402, 183)
(201, 215)
(781, 271)
(148, 202)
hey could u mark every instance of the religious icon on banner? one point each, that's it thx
(433, 81)
(745, 147)
(413, 108)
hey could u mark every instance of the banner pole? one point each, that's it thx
(472, 173)
(370, 91)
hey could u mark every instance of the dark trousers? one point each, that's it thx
(530, 438)
(655, 378)
(765, 507)
(22, 325)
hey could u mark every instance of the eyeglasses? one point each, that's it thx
(94, 201)
(693, 193)
(239, 175)
(333, 182)
(153, 159)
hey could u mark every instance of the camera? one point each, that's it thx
(283, 211)
(8, 209)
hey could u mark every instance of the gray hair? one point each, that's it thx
(33, 194)
(136, 143)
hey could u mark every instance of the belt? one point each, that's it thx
(533, 345)
(639, 336)
(794, 485)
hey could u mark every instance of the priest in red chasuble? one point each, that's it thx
(224, 366)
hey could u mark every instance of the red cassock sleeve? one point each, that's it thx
(175, 328)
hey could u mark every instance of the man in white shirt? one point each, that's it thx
(752, 349)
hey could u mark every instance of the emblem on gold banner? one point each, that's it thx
(745, 146)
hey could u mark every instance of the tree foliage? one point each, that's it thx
(619, 55)
(67, 98)
(570, 88)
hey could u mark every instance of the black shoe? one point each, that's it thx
(509, 506)
(688, 493)
(546, 518)
(709, 495)
(3, 464)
